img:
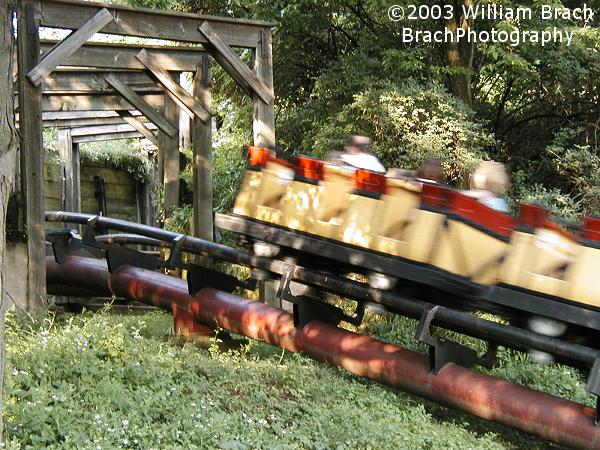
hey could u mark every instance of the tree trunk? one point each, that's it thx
(459, 55)
(8, 156)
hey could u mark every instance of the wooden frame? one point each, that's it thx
(114, 91)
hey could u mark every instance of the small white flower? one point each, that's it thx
(125, 423)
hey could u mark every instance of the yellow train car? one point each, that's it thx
(426, 235)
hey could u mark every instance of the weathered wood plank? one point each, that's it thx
(87, 81)
(105, 129)
(185, 101)
(121, 56)
(141, 22)
(68, 115)
(263, 124)
(202, 157)
(65, 150)
(139, 125)
(67, 47)
(32, 154)
(107, 137)
(96, 102)
(142, 106)
(170, 150)
(76, 123)
(76, 177)
(74, 119)
(232, 64)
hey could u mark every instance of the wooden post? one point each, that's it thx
(170, 153)
(264, 113)
(32, 155)
(202, 159)
(65, 150)
(263, 125)
(76, 178)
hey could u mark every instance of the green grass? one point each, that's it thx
(107, 381)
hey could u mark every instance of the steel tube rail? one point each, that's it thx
(87, 276)
(126, 238)
(508, 336)
(551, 418)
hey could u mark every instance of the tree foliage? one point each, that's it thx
(342, 65)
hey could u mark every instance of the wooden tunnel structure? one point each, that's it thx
(101, 91)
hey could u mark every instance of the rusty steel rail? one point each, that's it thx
(506, 335)
(554, 419)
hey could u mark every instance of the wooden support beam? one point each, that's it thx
(77, 123)
(105, 129)
(68, 46)
(65, 150)
(76, 177)
(139, 125)
(74, 119)
(139, 103)
(234, 66)
(96, 102)
(123, 56)
(188, 103)
(169, 145)
(263, 125)
(142, 22)
(202, 156)
(32, 154)
(82, 81)
(107, 137)
(78, 115)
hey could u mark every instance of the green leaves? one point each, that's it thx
(122, 154)
(108, 381)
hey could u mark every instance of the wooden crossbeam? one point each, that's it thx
(73, 119)
(187, 102)
(235, 67)
(139, 125)
(68, 46)
(122, 56)
(79, 81)
(106, 102)
(104, 129)
(145, 23)
(141, 105)
(106, 137)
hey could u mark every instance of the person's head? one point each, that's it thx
(490, 176)
(431, 169)
(359, 144)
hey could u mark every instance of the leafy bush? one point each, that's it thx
(122, 154)
(180, 219)
(576, 160)
(410, 122)
(106, 381)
